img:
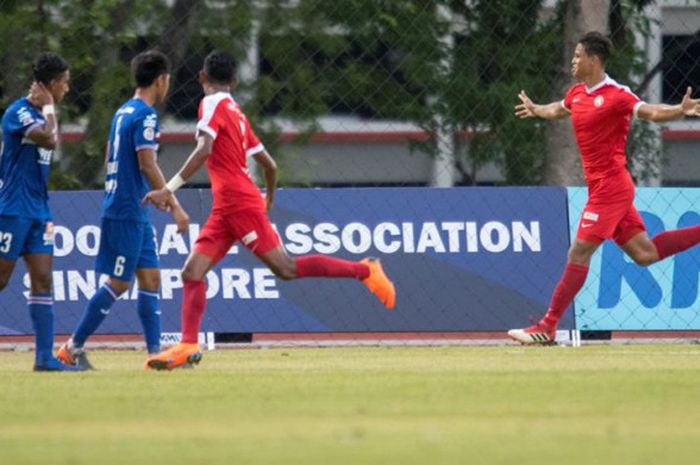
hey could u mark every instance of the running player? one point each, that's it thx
(225, 140)
(600, 111)
(29, 136)
(127, 240)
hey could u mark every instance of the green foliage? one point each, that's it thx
(445, 65)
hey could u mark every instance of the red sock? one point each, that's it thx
(671, 242)
(570, 283)
(320, 265)
(194, 301)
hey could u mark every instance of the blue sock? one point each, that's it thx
(95, 312)
(149, 313)
(41, 312)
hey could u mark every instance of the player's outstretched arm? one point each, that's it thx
(529, 109)
(270, 169)
(661, 112)
(45, 136)
(161, 197)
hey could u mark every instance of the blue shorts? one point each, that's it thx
(126, 246)
(19, 236)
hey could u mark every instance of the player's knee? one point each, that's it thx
(578, 257)
(189, 273)
(645, 259)
(285, 269)
(283, 272)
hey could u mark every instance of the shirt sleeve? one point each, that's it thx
(568, 98)
(22, 120)
(146, 131)
(252, 142)
(628, 102)
(209, 118)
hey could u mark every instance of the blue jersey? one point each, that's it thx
(24, 166)
(134, 127)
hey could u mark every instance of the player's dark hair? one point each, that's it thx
(49, 66)
(148, 66)
(221, 67)
(597, 44)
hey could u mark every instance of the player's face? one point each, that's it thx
(162, 86)
(60, 86)
(581, 63)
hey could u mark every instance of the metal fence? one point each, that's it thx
(358, 93)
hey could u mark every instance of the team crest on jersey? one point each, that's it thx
(599, 100)
(149, 134)
(48, 233)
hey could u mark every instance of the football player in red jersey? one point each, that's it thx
(225, 141)
(600, 111)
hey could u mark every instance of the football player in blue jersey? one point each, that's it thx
(127, 242)
(29, 136)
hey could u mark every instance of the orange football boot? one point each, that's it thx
(180, 355)
(64, 355)
(378, 283)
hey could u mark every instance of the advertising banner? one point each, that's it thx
(462, 259)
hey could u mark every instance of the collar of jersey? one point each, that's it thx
(606, 80)
(223, 94)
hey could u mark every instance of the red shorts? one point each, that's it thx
(222, 230)
(610, 212)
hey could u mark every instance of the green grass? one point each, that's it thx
(491, 405)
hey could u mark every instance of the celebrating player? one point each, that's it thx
(225, 140)
(127, 240)
(29, 136)
(600, 111)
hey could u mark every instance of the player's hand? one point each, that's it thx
(269, 202)
(690, 107)
(182, 219)
(159, 198)
(40, 94)
(526, 109)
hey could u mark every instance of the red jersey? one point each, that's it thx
(234, 141)
(601, 119)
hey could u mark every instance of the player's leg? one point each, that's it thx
(6, 269)
(570, 283)
(609, 203)
(194, 294)
(13, 235)
(256, 232)
(214, 240)
(22, 236)
(677, 240)
(644, 251)
(194, 302)
(41, 311)
(117, 257)
(368, 270)
(96, 310)
(148, 306)
(148, 277)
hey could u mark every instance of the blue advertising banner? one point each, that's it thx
(462, 259)
(620, 295)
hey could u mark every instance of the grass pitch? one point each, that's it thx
(491, 405)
